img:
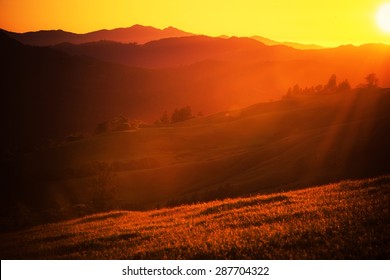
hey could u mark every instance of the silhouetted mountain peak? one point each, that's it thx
(140, 26)
(173, 29)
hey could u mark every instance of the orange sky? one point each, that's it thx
(329, 23)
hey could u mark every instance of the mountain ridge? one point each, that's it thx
(295, 45)
(174, 52)
(135, 34)
(227, 77)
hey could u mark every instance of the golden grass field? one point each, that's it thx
(347, 220)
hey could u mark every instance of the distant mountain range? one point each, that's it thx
(174, 52)
(54, 91)
(270, 42)
(136, 34)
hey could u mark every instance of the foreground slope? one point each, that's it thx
(347, 220)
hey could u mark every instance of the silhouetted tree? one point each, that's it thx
(183, 114)
(332, 83)
(372, 81)
(344, 85)
(296, 90)
(288, 94)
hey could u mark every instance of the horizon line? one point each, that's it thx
(282, 42)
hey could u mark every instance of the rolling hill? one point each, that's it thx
(135, 34)
(56, 94)
(265, 148)
(346, 220)
(174, 52)
(48, 93)
(238, 148)
(246, 52)
(221, 74)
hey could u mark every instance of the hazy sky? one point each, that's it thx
(330, 22)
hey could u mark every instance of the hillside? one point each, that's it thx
(265, 148)
(286, 144)
(176, 52)
(135, 34)
(48, 93)
(347, 220)
(63, 94)
(55, 94)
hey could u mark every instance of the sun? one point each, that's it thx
(383, 17)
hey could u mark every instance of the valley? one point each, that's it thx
(147, 143)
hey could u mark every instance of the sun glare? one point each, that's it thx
(383, 17)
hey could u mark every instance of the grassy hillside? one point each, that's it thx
(264, 148)
(347, 220)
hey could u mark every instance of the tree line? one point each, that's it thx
(332, 86)
(178, 115)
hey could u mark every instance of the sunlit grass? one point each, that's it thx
(348, 220)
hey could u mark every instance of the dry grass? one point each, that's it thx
(348, 220)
